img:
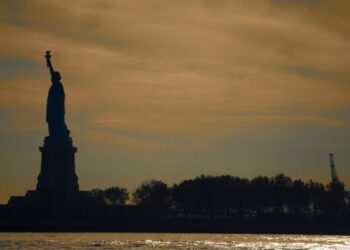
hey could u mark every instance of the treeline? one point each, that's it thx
(227, 195)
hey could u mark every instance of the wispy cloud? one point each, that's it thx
(309, 72)
(179, 62)
(13, 67)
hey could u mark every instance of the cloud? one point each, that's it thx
(307, 3)
(12, 67)
(168, 64)
(309, 72)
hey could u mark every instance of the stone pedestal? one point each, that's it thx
(57, 181)
(57, 194)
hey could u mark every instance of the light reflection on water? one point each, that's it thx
(169, 241)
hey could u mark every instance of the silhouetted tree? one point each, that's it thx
(261, 188)
(202, 195)
(209, 194)
(153, 196)
(221, 196)
(186, 196)
(239, 194)
(112, 195)
(116, 195)
(97, 193)
(318, 195)
(281, 185)
(335, 198)
(298, 199)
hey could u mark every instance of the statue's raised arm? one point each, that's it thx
(48, 62)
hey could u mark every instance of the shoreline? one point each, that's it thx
(197, 228)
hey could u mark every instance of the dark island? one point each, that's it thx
(223, 204)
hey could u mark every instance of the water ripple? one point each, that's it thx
(170, 241)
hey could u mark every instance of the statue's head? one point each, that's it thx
(56, 76)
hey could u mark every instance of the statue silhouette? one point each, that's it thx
(55, 105)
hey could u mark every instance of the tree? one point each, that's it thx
(281, 186)
(299, 198)
(239, 194)
(202, 195)
(335, 198)
(116, 195)
(186, 196)
(97, 193)
(153, 196)
(260, 188)
(112, 195)
(318, 195)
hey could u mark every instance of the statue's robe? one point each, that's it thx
(55, 112)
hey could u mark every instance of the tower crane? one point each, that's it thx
(333, 171)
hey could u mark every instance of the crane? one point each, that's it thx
(333, 171)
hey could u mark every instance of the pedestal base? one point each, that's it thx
(57, 181)
(57, 193)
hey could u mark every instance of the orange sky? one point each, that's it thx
(171, 89)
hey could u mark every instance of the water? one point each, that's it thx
(169, 241)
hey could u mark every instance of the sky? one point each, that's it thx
(172, 89)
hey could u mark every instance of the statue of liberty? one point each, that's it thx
(55, 105)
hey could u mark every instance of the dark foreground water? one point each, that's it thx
(169, 241)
